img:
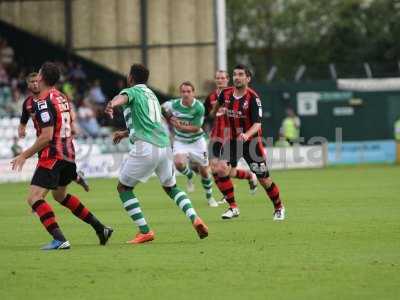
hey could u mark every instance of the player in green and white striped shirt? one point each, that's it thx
(186, 115)
(150, 153)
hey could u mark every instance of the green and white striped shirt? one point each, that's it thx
(188, 115)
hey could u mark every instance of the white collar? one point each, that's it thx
(194, 101)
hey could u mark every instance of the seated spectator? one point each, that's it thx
(87, 119)
(96, 94)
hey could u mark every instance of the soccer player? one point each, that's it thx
(27, 112)
(150, 153)
(56, 166)
(217, 138)
(186, 115)
(243, 109)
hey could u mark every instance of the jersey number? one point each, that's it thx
(154, 108)
(65, 131)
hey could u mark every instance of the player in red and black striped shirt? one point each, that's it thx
(56, 166)
(218, 135)
(243, 111)
(28, 112)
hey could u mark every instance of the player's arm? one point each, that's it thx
(196, 123)
(217, 106)
(186, 128)
(42, 141)
(214, 110)
(255, 117)
(118, 100)
(120, 135)
(45, 116)
(23, 121)
(166, 109)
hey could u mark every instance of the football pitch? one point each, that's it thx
(341, 240)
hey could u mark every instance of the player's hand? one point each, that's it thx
(175, 122)
(17, 163)
(243, 137)
(118, 136)
(21, 131)
(109, 110)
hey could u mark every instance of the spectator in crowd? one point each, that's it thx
(3, 75)
(16, 149)
(96, 95)
(290, 128)
(87, 119)
(6, 54)
(282, 142)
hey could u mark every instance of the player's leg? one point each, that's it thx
(254, 154)
(182, 165)
(137, 168)
(198, 153)
(132, 207)
(249, 176)
(81, 180)
(216, 152)
(226, 167)
(166, 174)
(80, 211)
(43, 180)
(181, 153)
(206, 181)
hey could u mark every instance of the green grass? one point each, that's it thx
(341, 240)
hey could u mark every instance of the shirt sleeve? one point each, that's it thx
(207, 106)
(198, 120)
(44, 113)
(25, 114)
(255, 110)
(129, 92)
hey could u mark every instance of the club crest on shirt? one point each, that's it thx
(42, 104)
(45, 117)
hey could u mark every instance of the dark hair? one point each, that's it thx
(243, 67)
(50, 73)
(30, 75)
(139, 73)
(187, 83)
(223, 71)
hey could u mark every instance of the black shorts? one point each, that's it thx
(61, 174)
(215, 149)
(252, 152)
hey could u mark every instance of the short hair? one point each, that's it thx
(30, 75)
(139, 73)
(50, 73)
(223, 71)
(187, 83)
(243, 67)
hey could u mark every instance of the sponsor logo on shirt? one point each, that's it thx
(42, 105)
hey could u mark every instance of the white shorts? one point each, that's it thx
(145, 159)
(196, 152)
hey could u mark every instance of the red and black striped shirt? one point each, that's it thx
(27, 112)
(53, 109)
(220, 121)
(241, 113)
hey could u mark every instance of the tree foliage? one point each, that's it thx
(290, 33)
